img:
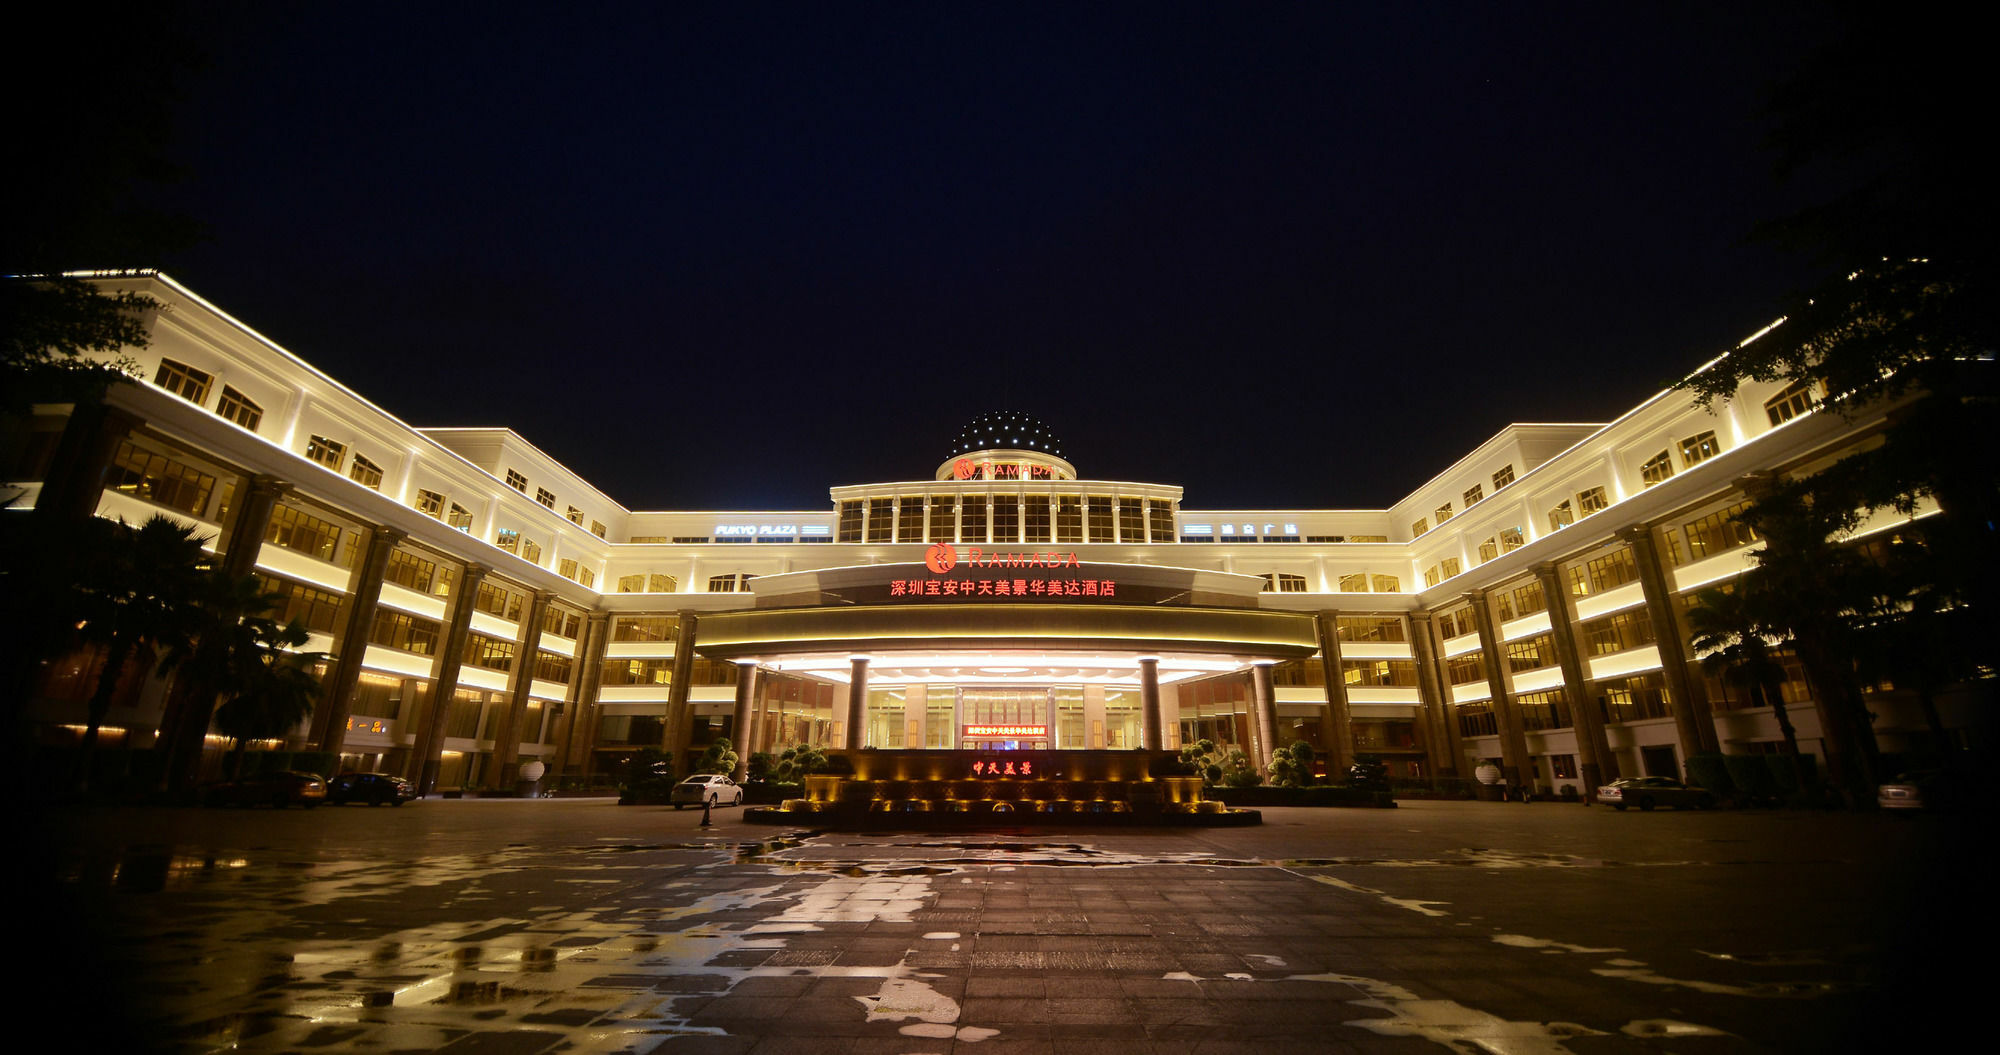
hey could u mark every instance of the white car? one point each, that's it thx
(712, 788)
(1648, 792)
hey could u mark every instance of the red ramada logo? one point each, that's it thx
(941, 557)
(963, 469)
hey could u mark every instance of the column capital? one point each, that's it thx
(270, 485)
(1635, 533)
(1758, 484)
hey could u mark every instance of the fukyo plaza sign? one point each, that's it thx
(1032, 580)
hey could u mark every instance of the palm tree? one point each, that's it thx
(1811, 589)
(135, 594)
(238, 651)
(1726, 632)
(277, 695)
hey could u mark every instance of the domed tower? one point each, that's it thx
(1006, 445)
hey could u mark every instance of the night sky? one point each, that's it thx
(725, 257)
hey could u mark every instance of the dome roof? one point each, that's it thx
(1006, 430)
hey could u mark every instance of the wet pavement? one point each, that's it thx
(501, 927)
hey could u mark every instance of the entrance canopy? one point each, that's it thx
(976, 636)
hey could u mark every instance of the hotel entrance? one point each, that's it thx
(1047, 675)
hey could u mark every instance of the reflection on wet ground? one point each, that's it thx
(627, 946)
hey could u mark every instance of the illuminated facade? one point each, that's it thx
(1523, 606)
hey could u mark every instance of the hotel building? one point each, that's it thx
(483, 606)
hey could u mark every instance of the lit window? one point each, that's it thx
(1656, 469)
(1443, 513)
(597, 529)
(1354, 583)
(1561, 517)
(1510, 539)
(1474, 494)
(183, 380)
(531, 551)
(1503, 476)
(1489, 549)
(566, 568)
(1700, 448)
(508, 540)
(159, 479)
(430, 503)
(239, 408)
(366, 473)
(1387, 584)
(1420, 527)
(517, 481)
(1794, 401)
(657, 583)
(575, 516)
(460, 518)
(1591, 501)
(326, 452)
(546, 498)
(1284, 582)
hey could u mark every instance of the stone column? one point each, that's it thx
(1692, 718)
(1264, 703)
(444, 676)
(746, 698)
(1515, 765)
(1594, 758)
(857, 701)
(581, 704)
(329, 726)
(1442, 744)
(507, 737)
(674, 733)
(1339, 738)
(1151, 734)
(75, 477)
(249, 521)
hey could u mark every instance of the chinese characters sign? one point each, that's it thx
(943, 558)
(1003, 587)
(1024, 768)
(1025, 731)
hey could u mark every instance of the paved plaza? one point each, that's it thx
(518, 927)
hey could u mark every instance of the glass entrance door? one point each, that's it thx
(1005, 719)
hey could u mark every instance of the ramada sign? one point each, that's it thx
(967, 469)
(1033, 581)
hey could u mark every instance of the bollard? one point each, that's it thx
(705, 804)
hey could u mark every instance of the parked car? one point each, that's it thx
(1648, 792)
(375, 789)
(278, 787)
(1926, 789)
(712, 788)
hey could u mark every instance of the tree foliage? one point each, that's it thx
(1292, 765)
(1218, 766)
(795, 763)
(720, 757)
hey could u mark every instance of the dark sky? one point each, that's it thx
(727, 256)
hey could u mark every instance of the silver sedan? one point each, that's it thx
(1648, 792)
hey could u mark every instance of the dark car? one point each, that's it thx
(375, 789)
(1648, 792)
(278, 787)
